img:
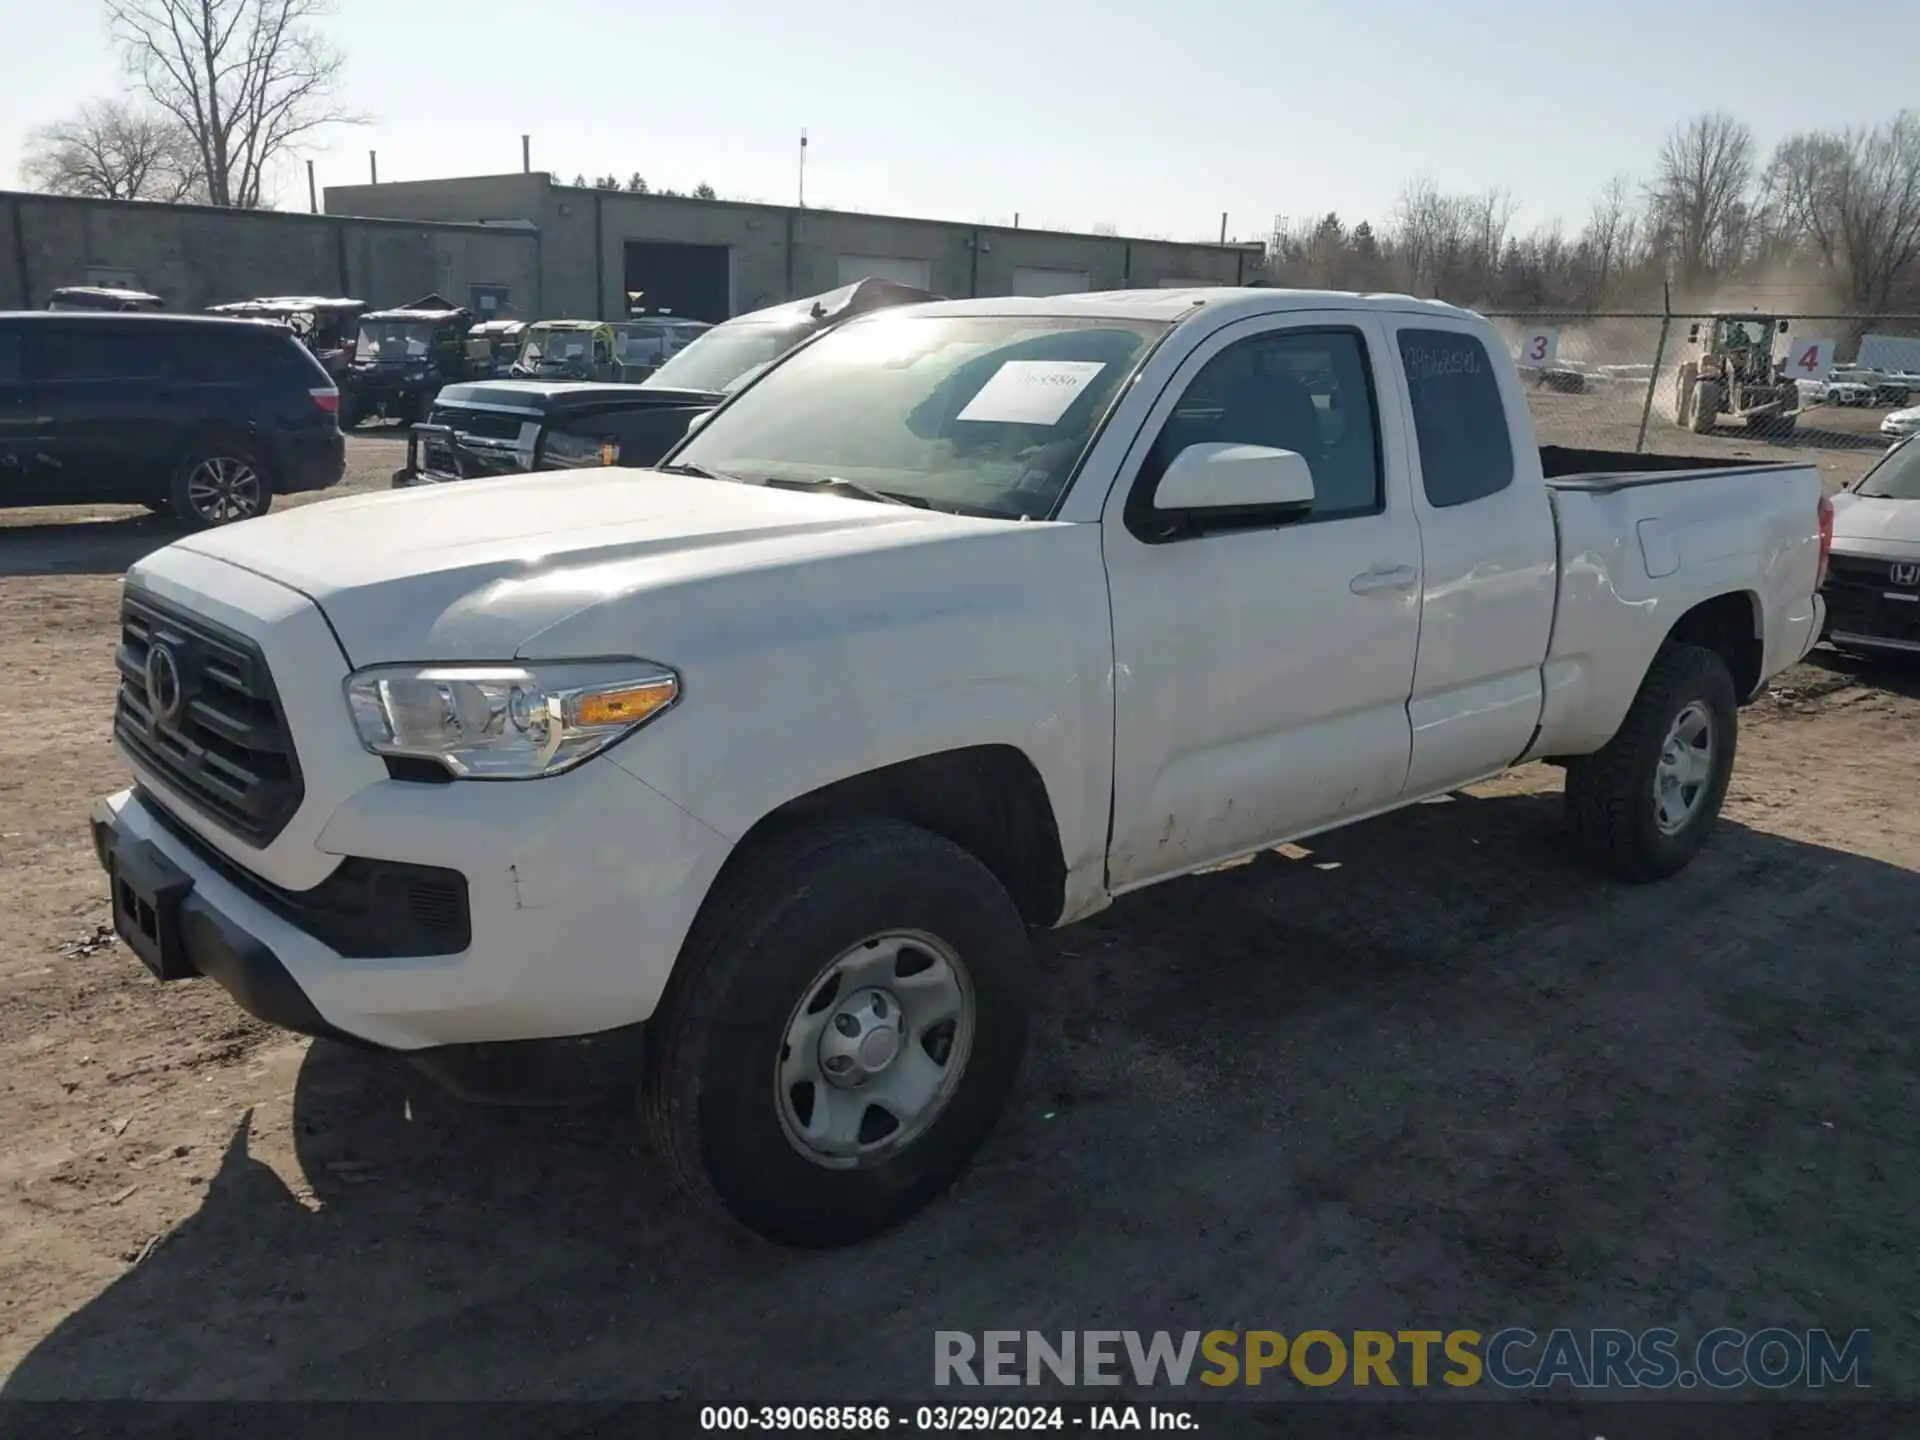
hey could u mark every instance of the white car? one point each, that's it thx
(1838, 392)
(1899, 424)
(745, 777)
(1873, 587)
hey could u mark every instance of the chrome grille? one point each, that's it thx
(225, 747)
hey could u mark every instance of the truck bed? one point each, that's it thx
(1601, 471)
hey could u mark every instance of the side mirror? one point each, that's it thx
(698, 420)
(1221, 486)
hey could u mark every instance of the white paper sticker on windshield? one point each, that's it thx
(1031, 392)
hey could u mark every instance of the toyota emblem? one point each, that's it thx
(1906, 575)
(164, 693)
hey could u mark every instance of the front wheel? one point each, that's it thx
(848, 1025)
(1642, 806)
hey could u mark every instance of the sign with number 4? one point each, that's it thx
(1538, 348)
(1808, 359)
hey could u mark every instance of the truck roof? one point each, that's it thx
(1174, 304)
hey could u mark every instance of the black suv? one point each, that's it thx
(205, 420)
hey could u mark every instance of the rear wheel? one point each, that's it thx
(847, 1027)
(219, 484)
(1641, 807)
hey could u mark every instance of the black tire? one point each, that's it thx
(1612, 812)
(187, 500)
(1706, 407)
(711, 1095)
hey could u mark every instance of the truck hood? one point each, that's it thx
(492, 569)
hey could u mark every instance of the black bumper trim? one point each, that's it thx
(564, 1070)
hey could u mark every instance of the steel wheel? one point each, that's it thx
(875, 1049)
(224, 488)
(1685, 768)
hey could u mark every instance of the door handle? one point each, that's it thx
(1384, 577)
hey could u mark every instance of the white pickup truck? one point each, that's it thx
(742, 780)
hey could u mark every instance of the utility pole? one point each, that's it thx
(313, 192)
(1223, 227)
(803, 168)
(373, 165)
(526, 154)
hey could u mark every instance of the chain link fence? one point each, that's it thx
(1634, 381)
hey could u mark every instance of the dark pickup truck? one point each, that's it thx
(506, 427)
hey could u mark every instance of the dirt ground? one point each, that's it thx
(1427, 1073)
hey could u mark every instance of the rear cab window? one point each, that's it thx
(1459, 416)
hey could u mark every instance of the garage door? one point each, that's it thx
(902, 271)
(691, 280)
(1033, 280)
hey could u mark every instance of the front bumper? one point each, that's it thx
(546, 1005)
(439, 453)
(579, 896)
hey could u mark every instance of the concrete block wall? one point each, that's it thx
(194, 256)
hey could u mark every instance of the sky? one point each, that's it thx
(1152, 118)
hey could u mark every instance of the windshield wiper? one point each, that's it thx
(699, 472)
(834, 485)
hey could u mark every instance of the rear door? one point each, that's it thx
(1489, 554)
(114, 427)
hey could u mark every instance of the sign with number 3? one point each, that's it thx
(1538, 348)
(1808, 359)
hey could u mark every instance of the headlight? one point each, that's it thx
(573, 451)
(506, 722)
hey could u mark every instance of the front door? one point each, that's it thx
(1262, 675)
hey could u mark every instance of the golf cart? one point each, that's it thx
(566, 350)
(644, 343)
(402, 357)
(493, 346)
(326, 327)
(100, 297)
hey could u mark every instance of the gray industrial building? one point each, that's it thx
(520, 244)
(709, 259)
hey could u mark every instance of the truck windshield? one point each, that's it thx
(1896, 477)
(722, 356)
(977, 414)
(394, 340)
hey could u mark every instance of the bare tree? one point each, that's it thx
(1701, 193)
(246, 79)
(1856, 197)
(115, 152)
(1610, 241)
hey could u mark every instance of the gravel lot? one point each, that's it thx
(1425, 1073)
